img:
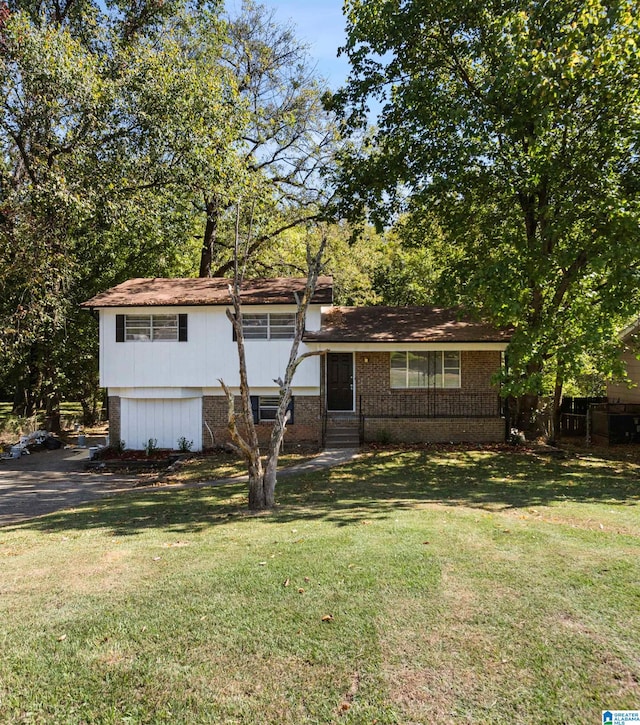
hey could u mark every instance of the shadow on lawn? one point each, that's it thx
(371, 487)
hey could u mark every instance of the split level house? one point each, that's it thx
(411, 374)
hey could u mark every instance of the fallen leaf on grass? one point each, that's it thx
(426, 542)
(286, 582)
(175, 544)
(345, 706)
(62, 638)
(301, 591)
(327, 618)
(262, 563)
(307, 579)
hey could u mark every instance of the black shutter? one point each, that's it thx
(290, 410)
(255, 408)
(182, 328)
(119, 328)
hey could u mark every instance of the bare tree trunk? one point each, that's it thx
(262, 482)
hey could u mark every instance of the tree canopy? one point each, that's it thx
(517, 125)
(128, 130)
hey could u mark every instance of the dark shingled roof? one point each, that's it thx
(148, 292)
(403, 324)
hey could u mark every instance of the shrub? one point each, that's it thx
(151, 446)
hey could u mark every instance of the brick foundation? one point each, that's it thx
(306, 428)
(434, 430)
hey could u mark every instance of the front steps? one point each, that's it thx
(342, 431)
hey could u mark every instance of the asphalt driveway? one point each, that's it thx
(48, 481)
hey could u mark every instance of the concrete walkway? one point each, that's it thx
(326, 459)
(49, 481)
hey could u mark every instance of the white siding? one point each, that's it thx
(210, 353)
(165, 420)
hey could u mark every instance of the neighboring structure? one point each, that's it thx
(620, 392)
(407, 374)
(618, 420)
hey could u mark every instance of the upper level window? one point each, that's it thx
(151, 328)
(269, 325)
(433, 369)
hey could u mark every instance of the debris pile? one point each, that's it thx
(35, 441)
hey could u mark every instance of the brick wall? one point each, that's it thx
(435, 430)
(114, 419)
(477, 367)
(475, 397)
(466, 414)
(306, 426)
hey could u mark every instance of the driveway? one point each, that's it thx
(47, 481)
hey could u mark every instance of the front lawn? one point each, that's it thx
(406, 587)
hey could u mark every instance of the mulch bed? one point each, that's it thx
(110, 459)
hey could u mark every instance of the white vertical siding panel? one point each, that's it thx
(210, 353)
(165, 420)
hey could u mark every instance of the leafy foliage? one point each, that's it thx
(121, 123)
(517, 127)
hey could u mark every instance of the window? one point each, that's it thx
(265, 408)
(268, 407)
(439, 369)
(151, 328)
(269, 325)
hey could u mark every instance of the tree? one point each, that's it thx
(518, 126)
(108, 113)
(353, 260)
(284, 147)
(262, 479)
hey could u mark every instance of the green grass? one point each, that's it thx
(223, 464)
(464, 586)
(12, 426)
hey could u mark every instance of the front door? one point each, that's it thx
(339, 381)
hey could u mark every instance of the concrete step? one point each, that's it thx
(332, 444)
(342, 439)
(343, 436)
(342, 423)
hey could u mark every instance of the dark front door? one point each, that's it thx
(340, 381)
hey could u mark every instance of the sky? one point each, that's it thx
(320, 25)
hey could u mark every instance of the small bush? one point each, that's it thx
(151, 446)
(184, 446)
(383, 436)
